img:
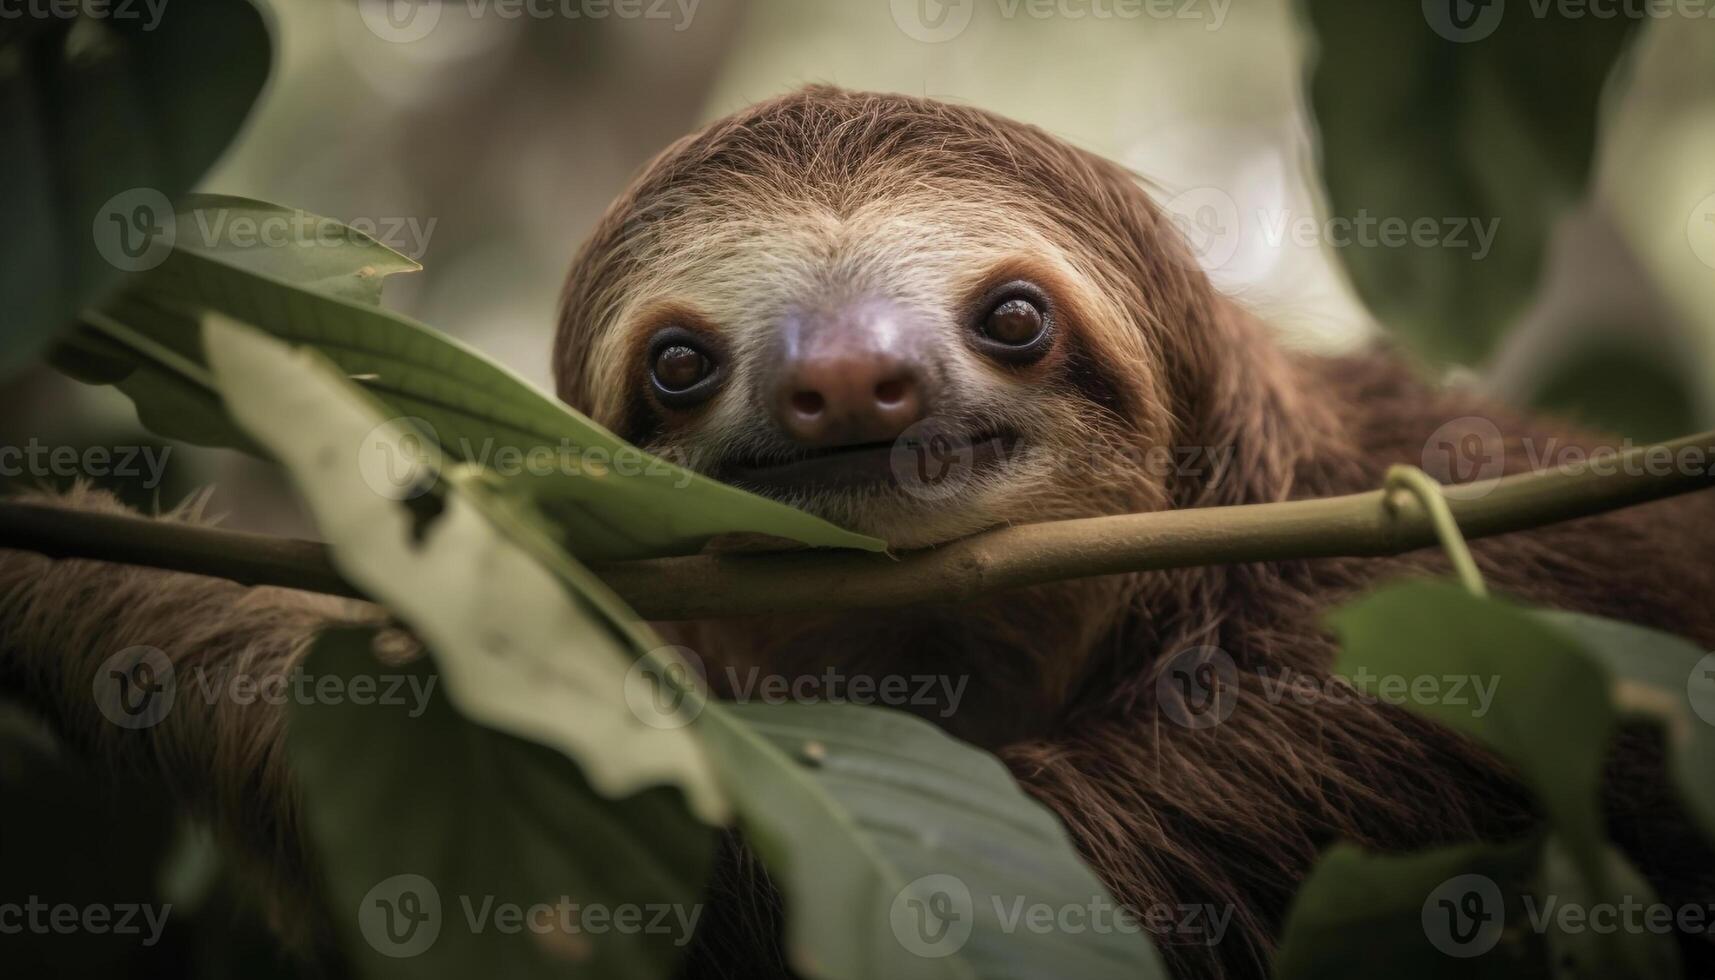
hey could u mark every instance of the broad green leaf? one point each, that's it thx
(105, 120)
(297, 247)
(1667, 678)
(518, 650)
(905, 853)
(173, 395)
(1474, 122)
(1452, 912)
(1466, 912)
(289, 245)
(1548, 713)
(464, 826)
(610, 500)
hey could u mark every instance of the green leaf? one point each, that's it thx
(610, 500)
(288, 245)
(458, 822)
(1668, 679)
(522, 649)
(525, 644)
(105, 120)
(1547, 712)
(174, 395)
(1488, 126)
(905, 853)
(1465, 912)
(296, 247)
(1574, 919)
(169, 387)
(1452, 912)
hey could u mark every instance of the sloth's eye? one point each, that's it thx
(1015, 322)
(684, 370)
(679, 367)
(1014, 326)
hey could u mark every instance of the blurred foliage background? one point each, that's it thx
(488, 147)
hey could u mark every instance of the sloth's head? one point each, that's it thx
(915, 319)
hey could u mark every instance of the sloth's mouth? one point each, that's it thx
(935, 464)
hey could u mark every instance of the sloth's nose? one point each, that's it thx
(851, 377)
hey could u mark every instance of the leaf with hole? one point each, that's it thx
(522, 637)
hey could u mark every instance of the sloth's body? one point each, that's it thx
(820, 274)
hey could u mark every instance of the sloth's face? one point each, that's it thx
(916, 370)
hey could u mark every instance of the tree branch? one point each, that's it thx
(720, 585)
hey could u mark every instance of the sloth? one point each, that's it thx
(786, 297)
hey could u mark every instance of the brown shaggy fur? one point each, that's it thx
(60, 621)
(1064, 677)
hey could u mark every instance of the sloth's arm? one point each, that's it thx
(63, 623)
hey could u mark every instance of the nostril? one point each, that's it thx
(808, 403)
(890, 393)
